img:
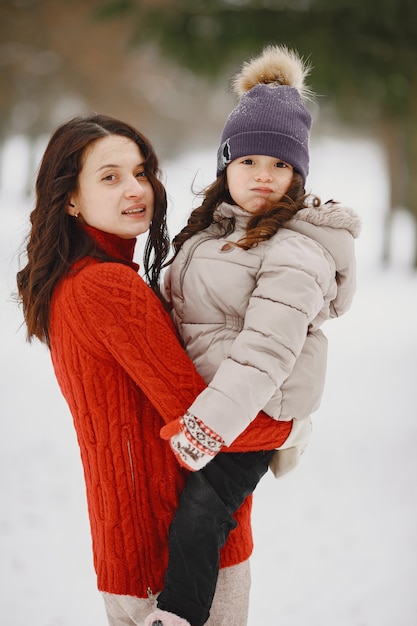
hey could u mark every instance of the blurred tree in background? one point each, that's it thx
(364, 57)
(162, 64)
(58, 59)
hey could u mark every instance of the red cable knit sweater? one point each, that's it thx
(124, 374)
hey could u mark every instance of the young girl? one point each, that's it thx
(116, 355)
(258, 269)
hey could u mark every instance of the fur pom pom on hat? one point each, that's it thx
(270, 118)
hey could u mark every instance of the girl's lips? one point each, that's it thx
(262, 190)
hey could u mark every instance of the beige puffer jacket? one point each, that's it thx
(250, 319)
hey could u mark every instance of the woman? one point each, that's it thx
(116, 356)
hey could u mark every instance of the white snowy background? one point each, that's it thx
(335, 542)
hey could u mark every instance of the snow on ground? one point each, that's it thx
(335, 541)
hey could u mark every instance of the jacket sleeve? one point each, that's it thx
(290, 291)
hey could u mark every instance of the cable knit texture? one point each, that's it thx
(123, 373)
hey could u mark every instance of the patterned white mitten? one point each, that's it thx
(195, 444)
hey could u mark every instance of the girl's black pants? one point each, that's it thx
(200, 528)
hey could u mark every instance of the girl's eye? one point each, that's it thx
(110, 177)
(281, 164)
(247, 161)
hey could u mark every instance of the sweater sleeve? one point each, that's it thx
(289, 293)
(118, 311)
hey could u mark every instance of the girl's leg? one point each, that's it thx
(200, 528)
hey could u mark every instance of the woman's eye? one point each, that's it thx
(142, 174)
(110, 177)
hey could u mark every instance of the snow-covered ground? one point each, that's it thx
(335, 542)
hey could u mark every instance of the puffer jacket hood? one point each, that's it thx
(328, 225)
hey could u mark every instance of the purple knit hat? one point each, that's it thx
(270, 118)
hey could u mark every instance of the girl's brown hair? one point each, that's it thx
(261, 226)
(55, 241)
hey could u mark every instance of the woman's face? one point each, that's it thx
(114, 194)
(258, 182)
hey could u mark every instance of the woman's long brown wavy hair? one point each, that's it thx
(55, 242)
(261, 226)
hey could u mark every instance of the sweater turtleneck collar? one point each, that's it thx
(114, 246)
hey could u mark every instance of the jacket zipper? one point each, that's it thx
(129, 452)
(189, 257)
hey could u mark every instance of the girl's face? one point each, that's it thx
(257, 182)
(114, 193)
